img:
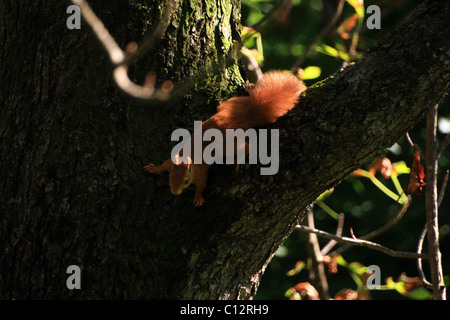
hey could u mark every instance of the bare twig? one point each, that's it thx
(399, 215)
(319, 278)
(332, 243)
(408, 139)
(352, 233)
(413, 145)
(434, 253)
(312, 45)
(364, 243)
(425, 282)
(442, 190)
(123, 60)
(115, 53)
(390, 223)
(423, 234)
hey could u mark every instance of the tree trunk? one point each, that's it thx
(72, 147)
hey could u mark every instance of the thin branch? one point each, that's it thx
(319, 36)
(442, 190)
(318, 271)
(423, 234)
(408, 139)
(363, 243)
(339, 230)
(390, 223)
(425, 282)
(123, 60)
(413, 145)
(352, 234)
(151, 39)
(115, 53)
(434, 253)
(384, 227)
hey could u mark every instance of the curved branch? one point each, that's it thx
(425, 282)
(363, 243)
(122, 60)
(116, 55)
(383, 228)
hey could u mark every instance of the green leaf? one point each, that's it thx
(311, 72)
(340, 260)
(288, 293)
(327, 209)
(390, 283)
(357, 268)
(298, 267)
(325, 194)
(326, 49)
(401, 168)
(358, 5)
(420, 294)
(400, 199)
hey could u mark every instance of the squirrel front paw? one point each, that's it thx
(151, 168)
(198, 200)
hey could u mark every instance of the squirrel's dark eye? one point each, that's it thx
(186, 181)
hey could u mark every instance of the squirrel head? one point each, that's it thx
(180, 176)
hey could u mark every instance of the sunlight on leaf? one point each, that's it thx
(327, 209)
(400, 168)
(311, 72)
(420, 294)
(357, 268)
(298, 267)
(325, 194)
(252, 39)
(326, 49)
(358, 5)
(340, 260)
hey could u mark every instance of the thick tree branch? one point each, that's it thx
(343, 123)
(338, 126)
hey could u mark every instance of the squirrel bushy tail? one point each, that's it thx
(273, 95)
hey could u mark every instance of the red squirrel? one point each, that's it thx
(273, 95)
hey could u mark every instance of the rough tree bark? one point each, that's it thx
(72, 147)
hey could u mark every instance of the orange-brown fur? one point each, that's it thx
(272, 96)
